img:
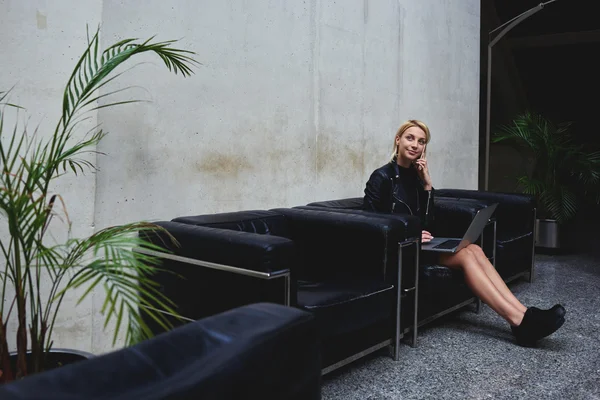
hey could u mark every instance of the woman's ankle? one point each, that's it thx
(515, 318)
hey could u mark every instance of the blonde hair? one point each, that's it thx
(410, 124)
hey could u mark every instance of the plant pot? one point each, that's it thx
(547, 234)
(55, 358)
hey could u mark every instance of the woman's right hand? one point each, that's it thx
(426, 237)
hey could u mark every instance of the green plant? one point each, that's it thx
(39, 273)
(562, 168)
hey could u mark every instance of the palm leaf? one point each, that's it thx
(560, 202)
(93, 67)
(586, 168)
(560, 166)
(4, 95)
(91, 73)
(28, 165)
(123, 274)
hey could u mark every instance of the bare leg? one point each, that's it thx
(481, 285)
(496, 279)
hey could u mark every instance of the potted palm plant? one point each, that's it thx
(38, 272)
(561, 171)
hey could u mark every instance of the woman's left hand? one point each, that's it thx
(423, 171)
(426, 236)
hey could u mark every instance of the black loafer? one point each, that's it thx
(556, 312)
(535, 326)
(559, 310)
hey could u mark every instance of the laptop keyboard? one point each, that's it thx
(448, 244)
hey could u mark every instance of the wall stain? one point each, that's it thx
(221, 164)
(42, 22)
(335, 154)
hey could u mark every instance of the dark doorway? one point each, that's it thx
(549, 63)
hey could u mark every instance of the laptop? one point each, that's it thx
(452, 245)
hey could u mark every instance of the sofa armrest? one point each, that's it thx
(344, 246)
(245, 250)
(225, 356)
(515, 212)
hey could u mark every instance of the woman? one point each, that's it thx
(404, 186)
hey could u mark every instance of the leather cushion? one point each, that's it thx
(342, 307)
(438, 272)
(253, 221)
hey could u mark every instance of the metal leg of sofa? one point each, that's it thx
(416, 296)
(399, 334)
(478, 305)
(477, 301)
(288, 289)
(484, 240)
(495, 244)
(394, 343)
(355, 357)
(532, 270)
(447, 311)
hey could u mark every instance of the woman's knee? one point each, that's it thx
(470, 257)
(476, 250)
(466, 257)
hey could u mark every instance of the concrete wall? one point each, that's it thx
(295, 101)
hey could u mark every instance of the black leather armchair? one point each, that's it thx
(508, 240)
(441, 290)
(264, 351)
(343, 269)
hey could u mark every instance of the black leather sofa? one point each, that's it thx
(440, 289)
(265, 351)
(342, 268)
(340, 263)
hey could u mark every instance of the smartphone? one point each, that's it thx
(422, 155)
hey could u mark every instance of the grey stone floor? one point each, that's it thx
(473, 356)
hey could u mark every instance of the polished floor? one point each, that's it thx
(473, 356)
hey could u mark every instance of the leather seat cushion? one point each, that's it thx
(341, 307)
(438, 272)
(431, 270)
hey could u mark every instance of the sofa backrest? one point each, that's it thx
(253, 221)
(514, 212)
(351, 203)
